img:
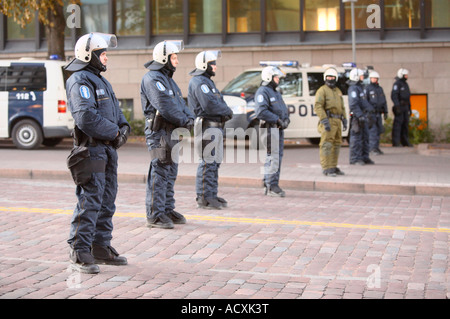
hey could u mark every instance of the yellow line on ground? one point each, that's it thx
(239, 220)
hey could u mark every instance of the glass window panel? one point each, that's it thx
(437, 13)
(14, 30)
(291, 85)
(321, 15)
(283, 15)
(26, 78)
(244, 16)
(402, 13)
(361, 14)
(167, 16)
(130, 17)
(205, 16)
(94, 16)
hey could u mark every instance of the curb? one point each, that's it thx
(236, 182)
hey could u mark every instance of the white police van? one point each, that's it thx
(33, 103)
(298, 89)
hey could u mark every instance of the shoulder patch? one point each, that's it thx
(160, 86)
(84, 92)
(205, 88)
(354, 94)
(260, 98)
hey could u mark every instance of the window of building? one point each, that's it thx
(282, 15)
(402, 13)
(244, 16)
(321, 15)
(130, 17)
(167, 16)
(437, 13)
(94, 16)
(15, 31)
(205, 16)
(361, 13)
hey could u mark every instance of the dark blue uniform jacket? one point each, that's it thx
(93, 105)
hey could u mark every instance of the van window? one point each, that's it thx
(247, 82)
(315, 81)
(23, 77)
(291, 85)
(3, 72)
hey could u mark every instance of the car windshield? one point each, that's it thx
(247, 82)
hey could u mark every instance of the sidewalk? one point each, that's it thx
(421, 170)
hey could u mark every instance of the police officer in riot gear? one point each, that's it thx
(102, 127)
(361, 121)
(375, 96)
(400, 96)
(329, 107)
(165, 111)
(212, 112)
(272, 112)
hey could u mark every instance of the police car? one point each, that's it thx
(33, 103)
(298, 89)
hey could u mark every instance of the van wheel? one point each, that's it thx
(52, 141)
(27, 135)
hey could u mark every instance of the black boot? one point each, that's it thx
(276, 191)
(176, 217)
(107, 255)
(162, 221)
(208, 203)
(222, 201)
(82, 261)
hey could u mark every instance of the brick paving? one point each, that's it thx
(313, 244)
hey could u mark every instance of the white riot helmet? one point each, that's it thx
(330, 72)
(165, 48)
(269, 72)
(93, 41)
(202, 59)
(401, 72)
(355, 74)
(374, 74)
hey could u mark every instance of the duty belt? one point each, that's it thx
(213, 124)
(335, 116)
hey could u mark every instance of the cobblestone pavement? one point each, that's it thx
(310, 245)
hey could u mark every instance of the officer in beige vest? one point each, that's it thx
(329, 107)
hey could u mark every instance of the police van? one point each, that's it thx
(298, 89)
(33, 103)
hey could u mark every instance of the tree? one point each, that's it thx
(50, 14)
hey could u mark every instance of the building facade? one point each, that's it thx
(413, 34)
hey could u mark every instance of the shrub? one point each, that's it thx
(419, 132)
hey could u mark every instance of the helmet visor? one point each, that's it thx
(278, 72)
(179, 44)
(110, 39)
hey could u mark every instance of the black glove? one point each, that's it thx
(385, 116)
(279, 123)
(286, 123)
(190, 124)
(227, 117)
(122, 138)
(326, 124)
(344, 124)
